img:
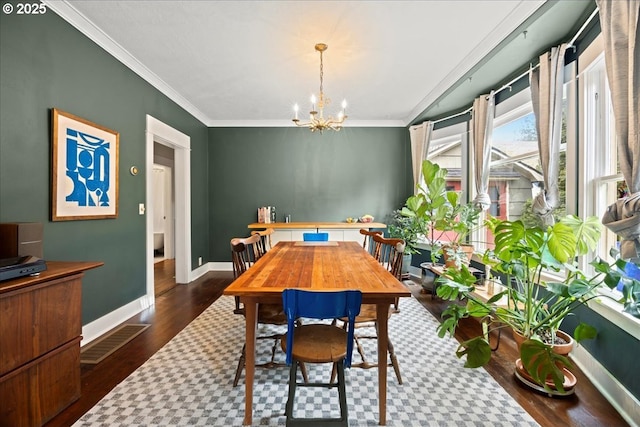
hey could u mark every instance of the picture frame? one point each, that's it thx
(84, 169)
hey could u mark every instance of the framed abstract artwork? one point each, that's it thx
(84, 182)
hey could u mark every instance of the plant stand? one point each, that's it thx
(569, 382)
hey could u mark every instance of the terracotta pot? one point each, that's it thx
(562, 349)
(466, 259)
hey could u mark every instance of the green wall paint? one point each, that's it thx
(311, 176)
(47, 63)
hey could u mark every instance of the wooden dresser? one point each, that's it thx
(40, 333)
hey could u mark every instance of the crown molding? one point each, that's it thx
(89, 29)
(289, 124)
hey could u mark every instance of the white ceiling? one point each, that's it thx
(245, 63)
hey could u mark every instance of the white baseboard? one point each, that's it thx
(199, 272)
(95, 329)
(220, 266)
(619, 397)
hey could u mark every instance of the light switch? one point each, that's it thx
(141, 208)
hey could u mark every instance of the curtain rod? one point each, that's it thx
(508, 85)
(531, 67)
(452, 116)
(587, 22)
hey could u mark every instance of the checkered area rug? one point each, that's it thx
(189, 381)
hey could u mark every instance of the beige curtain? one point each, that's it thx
(420, 139)
(619, 23)
(546, 97)
(484, 109)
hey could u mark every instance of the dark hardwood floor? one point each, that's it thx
(164, 274)
(177, 307)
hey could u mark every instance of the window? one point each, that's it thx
(516, 175)
(448, 149)
(602, 177)
(599, 181)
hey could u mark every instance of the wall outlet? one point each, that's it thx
(199, 260)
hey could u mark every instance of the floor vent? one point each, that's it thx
(97, 351)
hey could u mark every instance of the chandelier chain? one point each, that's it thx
(321, 80)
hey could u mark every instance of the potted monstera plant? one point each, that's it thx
(445, 221)
(532, 307)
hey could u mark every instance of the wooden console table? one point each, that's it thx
(40, 333)
(338, 231)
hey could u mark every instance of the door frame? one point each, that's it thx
(157, 131)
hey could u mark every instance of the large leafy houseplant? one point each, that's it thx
(408, 229)
(532, 307)
(439, 212)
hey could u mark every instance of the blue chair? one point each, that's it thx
(315, 237)
(319, 343)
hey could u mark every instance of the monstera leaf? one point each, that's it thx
(587, 232)
(542, 363)
(477, 350)
(562, 242)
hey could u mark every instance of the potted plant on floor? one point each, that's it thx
(533, 308)
(444, 220)
(408, 229)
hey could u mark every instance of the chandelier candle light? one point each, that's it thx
(316, 118)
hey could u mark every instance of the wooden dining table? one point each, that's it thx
(316, 266)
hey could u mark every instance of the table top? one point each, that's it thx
(321, 268)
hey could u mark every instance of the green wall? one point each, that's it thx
(46, 63)
(311, 176)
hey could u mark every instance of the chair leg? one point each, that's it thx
(342, 392)
(360, 349)
(240, 367)
(303, 369)
(394, 361)
(293, 374)
(392, 356)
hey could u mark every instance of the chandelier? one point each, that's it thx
(317, 121)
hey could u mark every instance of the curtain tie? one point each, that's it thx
(544, 208)
(482, 201)
(623, 218)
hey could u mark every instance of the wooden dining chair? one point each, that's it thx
(319, 343)
(265, 238)
(389, 252)
(367, 243)
(244, 253)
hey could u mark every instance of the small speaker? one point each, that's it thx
(21, 239)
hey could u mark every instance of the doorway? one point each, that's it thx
(163, 224)
(178, 242)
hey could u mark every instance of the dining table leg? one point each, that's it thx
(382, 313)
(251, 319)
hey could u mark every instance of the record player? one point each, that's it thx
(11, 268)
